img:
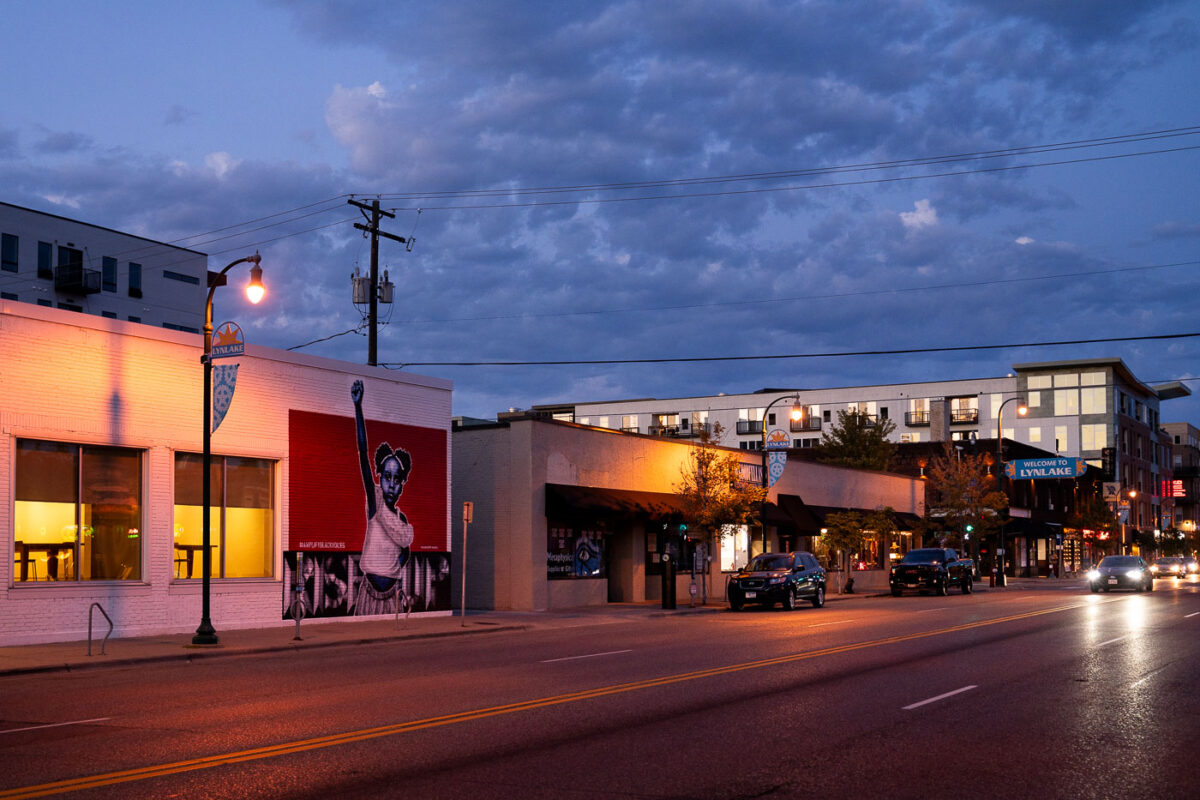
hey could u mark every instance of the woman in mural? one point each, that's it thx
(388, 538)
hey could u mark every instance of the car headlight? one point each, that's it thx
(775, 581)
(1154, 568)
(1093, 575)
(1136, 574)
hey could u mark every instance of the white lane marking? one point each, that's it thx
(1189, 616)
(927, 610)
(1110, 641)
(823, 624)
(56, 725)
(1148, 676)
(940, 697)
(589, 655)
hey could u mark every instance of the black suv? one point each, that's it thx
(780, 578)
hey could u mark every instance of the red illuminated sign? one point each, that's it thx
(1173, 489)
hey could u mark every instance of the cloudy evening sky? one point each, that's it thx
(737, 178)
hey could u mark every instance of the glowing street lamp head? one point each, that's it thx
(797, 412)
(1022, 410)
(255, 289)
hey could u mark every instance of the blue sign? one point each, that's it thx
(228, 341)
(1034, 468)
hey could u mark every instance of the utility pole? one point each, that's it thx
(372, 227)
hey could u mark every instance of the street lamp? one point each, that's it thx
(205, 634)
(1022, 410)
(797, 414)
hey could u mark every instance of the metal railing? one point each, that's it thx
(806, 424)
(103, 643)
(745, 426)
(964, 416)
(915, 418)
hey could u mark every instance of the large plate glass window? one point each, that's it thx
(78, 512)
(241, 522)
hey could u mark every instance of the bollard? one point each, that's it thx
(992, 579)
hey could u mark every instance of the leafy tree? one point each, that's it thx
(714, 492)
(858, 440)
(1096, 520)
(961, 493)
(848, 531)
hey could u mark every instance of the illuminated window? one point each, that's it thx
(1066, 380)
(1060, 438)
(1092, 400)
(1066, 402)
(1091, 379)
(78, 513)
(1093, 437)
(242, 520)
(1039, 382)
(735, 547)
(1034, 400)
(1035, 435)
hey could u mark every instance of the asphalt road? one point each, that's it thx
(1048, 693)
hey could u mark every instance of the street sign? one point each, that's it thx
(778, 439)
(1033, 468)
(228, 341)
(1111, 490)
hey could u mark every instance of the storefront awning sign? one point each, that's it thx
(1034, 468)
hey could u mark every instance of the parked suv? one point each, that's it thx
(782, 578)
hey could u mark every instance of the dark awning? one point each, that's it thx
(801, 516)
(563, 500)
(906, 521)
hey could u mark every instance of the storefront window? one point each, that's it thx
(735, 547)
(241, 520)
(78, 512)
(573, 552)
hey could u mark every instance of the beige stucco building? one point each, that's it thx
(567, 515)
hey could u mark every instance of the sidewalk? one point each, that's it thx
(69, 656)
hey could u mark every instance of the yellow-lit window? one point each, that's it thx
(241, 519)
(77, 513)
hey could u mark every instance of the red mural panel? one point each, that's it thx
(327, 502)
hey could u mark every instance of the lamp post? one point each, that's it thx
(797, 414)
(205, 634)
(1022, 410)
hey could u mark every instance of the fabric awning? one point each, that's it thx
(564, 500)
(800, 515)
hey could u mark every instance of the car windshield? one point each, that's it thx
(923, 556)
(1120, 561)
(1166, 562)
(770, 563)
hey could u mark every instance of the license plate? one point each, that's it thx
(1112, 580)
(911, 585)
(751, 595)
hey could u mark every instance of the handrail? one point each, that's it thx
(103, 643)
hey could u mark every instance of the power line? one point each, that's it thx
(806, 297)
(788, 356)
(809, 171)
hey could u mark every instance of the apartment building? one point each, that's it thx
(1184, 488)
(57, 262)
(1095, 409)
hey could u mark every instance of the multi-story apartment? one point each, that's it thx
(1184, 488)
(1095, 409)
(62, 263)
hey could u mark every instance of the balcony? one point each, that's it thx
(914, 419)
(746, 426)
(809, 423)
(629, 429)
(74, 279)
(663, 430)
(964, 416)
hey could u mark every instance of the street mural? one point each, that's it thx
(367, 512)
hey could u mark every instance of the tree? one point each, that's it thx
(1095, 519)
(961, 493)
(848, 531)
(714, 492)
(858, 440)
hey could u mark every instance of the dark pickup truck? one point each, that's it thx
(933, 569)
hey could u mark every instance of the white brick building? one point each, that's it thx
(100, 436)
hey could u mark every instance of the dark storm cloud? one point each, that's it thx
(485, 95)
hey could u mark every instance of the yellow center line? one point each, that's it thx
(319, 742)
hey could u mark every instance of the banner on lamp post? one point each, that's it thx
(224, 382)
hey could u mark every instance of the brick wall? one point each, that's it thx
(83, 380)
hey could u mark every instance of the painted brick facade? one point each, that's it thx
(78, 379)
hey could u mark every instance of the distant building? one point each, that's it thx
(1094, 409)
(1184, 489)
(58, 262)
